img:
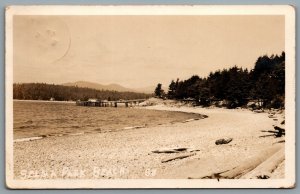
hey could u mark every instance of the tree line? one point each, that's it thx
(264, 85)
(43, 91)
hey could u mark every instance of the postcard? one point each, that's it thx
(150, 96)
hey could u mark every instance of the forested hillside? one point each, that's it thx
(237, 86)
(43, 91)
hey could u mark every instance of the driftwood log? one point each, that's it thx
(265, 169)
(246, 166)
(174, 150)
(277, 132)
(181, 156)
(170, 150)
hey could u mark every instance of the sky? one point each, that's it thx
(138, 51)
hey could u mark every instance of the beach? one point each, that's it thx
(130, 153)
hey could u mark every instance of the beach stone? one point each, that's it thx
(259, 111)
(223, 141)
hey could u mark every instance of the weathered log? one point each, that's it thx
(174, 150)
(265, 169)
(269, 131)
(278, 132)
(266, 135)
(281, 141)
(251, 163)
(177, 157)
(170, 150)
(245, 166)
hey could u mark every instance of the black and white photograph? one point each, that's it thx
(150, 97)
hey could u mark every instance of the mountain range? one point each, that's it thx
(113, 87)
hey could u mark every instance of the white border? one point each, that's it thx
(287, 11)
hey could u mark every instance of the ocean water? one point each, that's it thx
(46, 119)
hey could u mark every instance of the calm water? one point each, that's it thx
(33, 119)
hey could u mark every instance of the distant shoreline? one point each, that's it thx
(54, 101)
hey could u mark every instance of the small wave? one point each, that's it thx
(133, 127)
(29, 127)
(28, 139)
(25, 126)
(28, 122)
(74, 134)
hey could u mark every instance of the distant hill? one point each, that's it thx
(111, 87)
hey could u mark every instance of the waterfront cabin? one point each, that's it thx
(93, 102)
(89, 102)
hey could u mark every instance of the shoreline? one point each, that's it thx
(189, 169)
(132, 150)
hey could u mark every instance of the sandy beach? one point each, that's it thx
(129, 153)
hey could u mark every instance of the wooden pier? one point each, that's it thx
(106, 103)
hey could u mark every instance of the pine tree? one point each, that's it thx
(159, 91)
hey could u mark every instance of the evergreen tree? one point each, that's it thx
(265, 83)
(172, 90)
(159, 91)
(42, 91)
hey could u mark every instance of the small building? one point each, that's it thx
(93, 100)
